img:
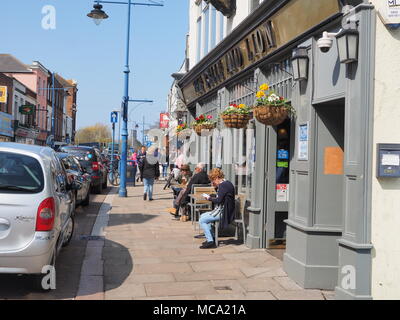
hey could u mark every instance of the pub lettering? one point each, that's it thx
(252, 48)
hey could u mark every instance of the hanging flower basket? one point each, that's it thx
(236, 116)
(204, 129)
(271, 109)
(235, 120)
(204, 125)
(271, 115)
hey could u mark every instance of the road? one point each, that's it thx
(68, 264)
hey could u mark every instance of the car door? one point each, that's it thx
(64, 196)
(82, 179)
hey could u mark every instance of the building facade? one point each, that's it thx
(311, 183)
(6, 118)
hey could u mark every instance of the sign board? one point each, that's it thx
(6, 128)
(3, 94)
(114, 117)
(282, 192)
(27, 109)
(164, 120)
(268, 36)
(388, 160)
(303, 142)
(389, 13)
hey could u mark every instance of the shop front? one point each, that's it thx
(6, 129)
(305, 179)
(26, 135)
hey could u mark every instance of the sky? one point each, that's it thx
(95, 55)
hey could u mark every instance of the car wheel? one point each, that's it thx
(86, 202)
(105, 183)
(69, 231)
(98, 189)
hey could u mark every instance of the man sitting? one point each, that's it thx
(199, 177)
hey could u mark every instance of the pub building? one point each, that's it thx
(306, 181)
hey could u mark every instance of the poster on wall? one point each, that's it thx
(303, 142)
(282, 192)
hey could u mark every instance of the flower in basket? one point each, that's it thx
(202, 119)
(265, 96)
(236, 109)
(181, 127)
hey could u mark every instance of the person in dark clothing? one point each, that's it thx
(199, 177)
(149, 171)
(226, 199)
(140, 158)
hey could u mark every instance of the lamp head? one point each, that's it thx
(97, 14)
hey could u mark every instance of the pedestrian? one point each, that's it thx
(140, 157)
(135, 165)
(149, 171)
(224, 210)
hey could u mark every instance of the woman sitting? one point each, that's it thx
(225, 206)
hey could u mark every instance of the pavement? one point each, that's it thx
(137, 251)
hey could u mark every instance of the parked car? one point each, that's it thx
(36, 218)
(91, 160)
(75, 172)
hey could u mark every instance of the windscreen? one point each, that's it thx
(20, 174)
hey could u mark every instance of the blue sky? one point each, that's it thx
(95, 55)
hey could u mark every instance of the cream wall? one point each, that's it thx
(385, 235)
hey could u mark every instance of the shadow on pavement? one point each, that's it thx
(129, 218)
(118, 265)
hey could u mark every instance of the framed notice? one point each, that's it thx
(303, 139)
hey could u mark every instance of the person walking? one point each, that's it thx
(149, 172)
(140, 157)
(225, 206)
(135, 165)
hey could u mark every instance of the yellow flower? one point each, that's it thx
(264, 87)
(241, 106)
(260, 94)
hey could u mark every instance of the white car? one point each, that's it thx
(35, 209)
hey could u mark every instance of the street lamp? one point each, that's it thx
(300, 64)
(347, 43)
(98, 15)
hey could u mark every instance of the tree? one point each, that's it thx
(100, 133)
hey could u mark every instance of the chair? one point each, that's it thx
(240, 202)
(200, 205)
(239, 217)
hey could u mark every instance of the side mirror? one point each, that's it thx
(75, 185)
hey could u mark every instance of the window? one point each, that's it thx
(243, 139)
(20, 174)
(210, 29)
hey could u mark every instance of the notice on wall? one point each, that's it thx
(389, 159)
(282, 192)
(393, 7)
(333, 161)
(303, 142)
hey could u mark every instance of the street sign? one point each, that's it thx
(164, 120)
(114, 117)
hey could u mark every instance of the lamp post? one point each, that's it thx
(97, 14)
(53, 90)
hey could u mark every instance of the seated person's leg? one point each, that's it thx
(205, 223)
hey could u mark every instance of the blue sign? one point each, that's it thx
(6, 128)
(283, 154)
(114, 117)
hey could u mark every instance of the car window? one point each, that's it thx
(60, 178)
(20, 173)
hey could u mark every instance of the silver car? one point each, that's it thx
(35, 209)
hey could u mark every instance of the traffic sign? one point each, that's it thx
(114, 117)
